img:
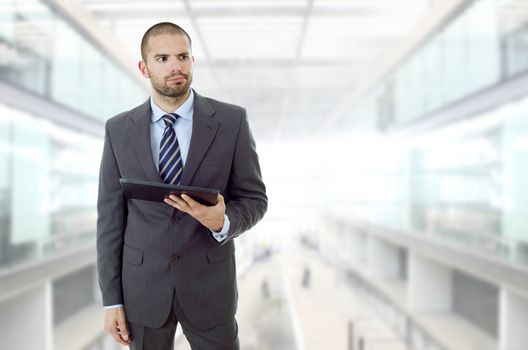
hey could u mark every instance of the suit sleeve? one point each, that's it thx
(111, 215)
(247, 202)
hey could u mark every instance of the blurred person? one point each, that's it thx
(306, 277)
(161, 264)
(264, 287)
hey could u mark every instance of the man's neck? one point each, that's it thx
(167, 103)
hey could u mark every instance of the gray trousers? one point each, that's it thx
(223, 337)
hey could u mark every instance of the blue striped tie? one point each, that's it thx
(170, 161)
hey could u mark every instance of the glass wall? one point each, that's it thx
(48, 187)
(464, 182)
(48, 173)
(484, 45)
(513, 28)
(457, 186)
(42, 53)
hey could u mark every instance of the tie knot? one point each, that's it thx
(170, 119)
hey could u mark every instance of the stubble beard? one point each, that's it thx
(172, 92)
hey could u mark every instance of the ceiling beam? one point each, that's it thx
(219, 12)
(279, 63)
(207, 53)
(291, 85)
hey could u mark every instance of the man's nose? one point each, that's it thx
(176, 67)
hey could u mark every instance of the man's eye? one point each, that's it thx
(162, 59)
(183, 57)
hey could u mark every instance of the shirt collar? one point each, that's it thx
(184, 111)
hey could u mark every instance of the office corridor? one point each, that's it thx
(294, 299)
(391, 136)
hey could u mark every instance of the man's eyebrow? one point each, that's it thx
(166, 54)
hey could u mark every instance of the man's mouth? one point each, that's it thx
(176, 80)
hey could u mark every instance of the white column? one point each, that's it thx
(430, 285)
(26, 320)
(383, 259)
(358, 246)
(513, 321)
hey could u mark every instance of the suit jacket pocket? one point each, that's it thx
(132, 255)
(217, 254)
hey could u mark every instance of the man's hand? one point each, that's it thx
(115, 324)
(211, 217)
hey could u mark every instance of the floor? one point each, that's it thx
(294, 300)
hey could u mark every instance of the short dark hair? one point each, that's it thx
(161, 28)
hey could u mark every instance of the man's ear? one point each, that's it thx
(143, 69)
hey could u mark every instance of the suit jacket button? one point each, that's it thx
(175, 219)
(175, 258)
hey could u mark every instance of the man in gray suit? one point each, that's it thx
(161, 264)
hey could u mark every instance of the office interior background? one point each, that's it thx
(393, 139)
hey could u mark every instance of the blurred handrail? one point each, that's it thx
(16, 279)
(494, 269)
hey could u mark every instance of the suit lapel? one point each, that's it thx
(203, 133)
(139, 136)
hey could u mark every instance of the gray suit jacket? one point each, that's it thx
(146, 250)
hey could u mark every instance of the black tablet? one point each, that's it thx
(157, 191)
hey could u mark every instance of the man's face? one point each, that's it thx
(169, 64)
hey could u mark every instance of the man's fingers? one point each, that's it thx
(115, 324)
(114, 331)
(220, 200)
(123, 331)
(113, 328)
(183, 203)
(175, 201)
(118, 339)
(211, 217)
(190, 202)
(119, 336)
